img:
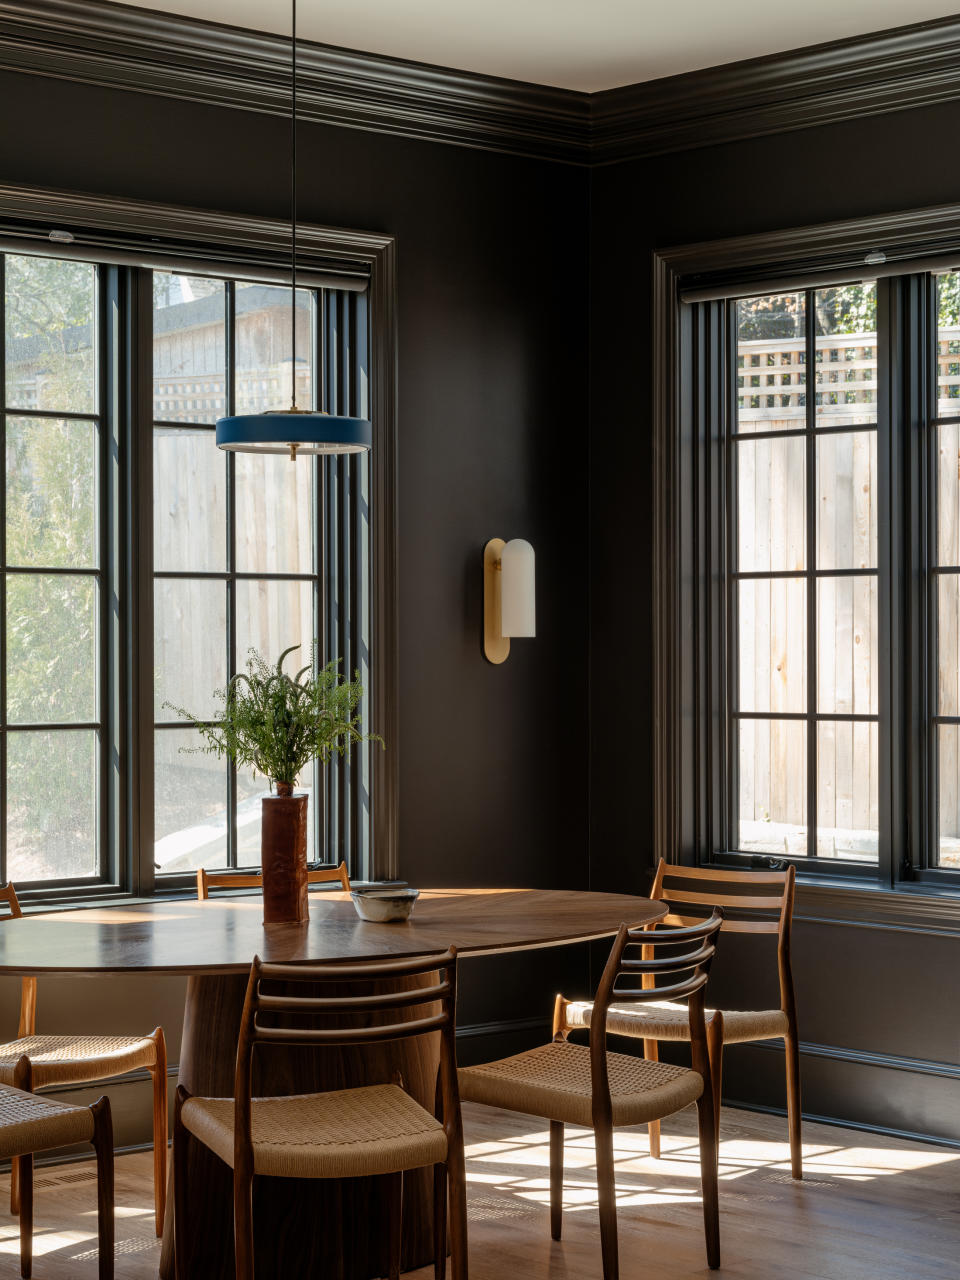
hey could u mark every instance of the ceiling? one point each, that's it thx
(574, 44)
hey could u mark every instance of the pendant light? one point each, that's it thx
(293, 430)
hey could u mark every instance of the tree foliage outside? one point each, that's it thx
(51, 523)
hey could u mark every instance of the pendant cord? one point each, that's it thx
(293, 207)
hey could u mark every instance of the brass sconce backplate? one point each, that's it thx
(495, 646)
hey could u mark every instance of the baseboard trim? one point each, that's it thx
(908, 1135)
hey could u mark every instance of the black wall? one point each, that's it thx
(493, 254)
(872, 1000)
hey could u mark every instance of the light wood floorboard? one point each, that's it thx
(869, 1207)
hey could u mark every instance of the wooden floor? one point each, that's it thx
(869, 1207)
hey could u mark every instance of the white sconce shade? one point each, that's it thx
(518, 601)
(509, 596)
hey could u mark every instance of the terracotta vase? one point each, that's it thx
(283, 856)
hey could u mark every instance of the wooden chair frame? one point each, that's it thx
(158, 1076)
(254, 1035)
(782, 903)
(102, 1141)
(207, 880)
(695, 965)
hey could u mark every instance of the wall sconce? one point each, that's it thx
(509, 595)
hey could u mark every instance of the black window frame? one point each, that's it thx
(233, 247)
(692, 288)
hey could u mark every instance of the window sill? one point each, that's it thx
(912, 908)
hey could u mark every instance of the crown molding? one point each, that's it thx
(146, 51)
(895, 70)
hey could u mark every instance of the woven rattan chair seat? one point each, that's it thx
(29, 1123)
(61, 1060)
(350, 1133)
(553, 1081)
(661, 1020)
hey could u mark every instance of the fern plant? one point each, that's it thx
(277, 723)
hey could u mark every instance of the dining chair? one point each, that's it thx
(695, 887)
(58, 1061)
(207, 880)
(370, 1131)
(568, 1083)
(28, 1124)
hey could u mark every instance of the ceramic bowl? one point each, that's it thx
(383, 905)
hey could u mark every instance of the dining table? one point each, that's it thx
(300, 1227)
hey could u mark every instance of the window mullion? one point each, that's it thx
(811, 576)
(230, 400)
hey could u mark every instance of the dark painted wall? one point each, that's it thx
(869, 998)
(493, 380)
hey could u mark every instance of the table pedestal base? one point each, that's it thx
(301, 1226)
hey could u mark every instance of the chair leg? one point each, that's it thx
(180, 1189)
(556, 1178)
(456, 1169)
(793, 1103)
(651, 1053)
(103, 1145)
(440, 1221)
(709, 1179)
(243, 1221)
(26, 1216)
(715, 1053)
(607, 1197)
(15, 1186)
(159, 1074)
(394, 1215)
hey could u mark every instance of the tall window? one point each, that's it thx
(945, 620)
(805, 510)
(52, 715)
(247, 552)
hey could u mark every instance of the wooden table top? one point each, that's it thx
(223, 934)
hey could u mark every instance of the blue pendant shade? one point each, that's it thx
(294, 432)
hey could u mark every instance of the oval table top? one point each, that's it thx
(222, 935)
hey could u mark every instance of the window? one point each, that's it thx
(803, 592)
(812, 511)
(53, 744)
(99, 624)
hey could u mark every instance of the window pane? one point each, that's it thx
(265, 350)
(52, 493)
(847, 501)
(250, 791)
(52, 790)
(50, 322)
(190, 645)
(773, 786)
(948, 644)
(271, 616)
(189, 348)
(51, 648)
(190, 804)
(847, 791)
(771, 519)
(948, 493)
(846, 354)
(948, 345)
(189, 501)
(772, 642)
(948, 805)
(847, 664)
(274, 514)
(771, 363)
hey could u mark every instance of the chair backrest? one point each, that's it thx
(28, 984)
(207, 880)
(684, 955)
(769, 911)
(296, 1015)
